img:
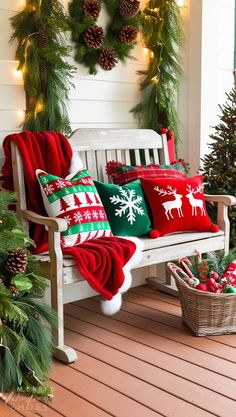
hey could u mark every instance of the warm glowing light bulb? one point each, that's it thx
(145, 50)
(155, 80)
(180, 3)
(151, 54)
(18, 73)
(21, 114)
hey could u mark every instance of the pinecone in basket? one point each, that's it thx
(14, 291)
(107, 58)
(92, 8)
(129, 8)
(16, 262)
(94, 36)
(128, 34)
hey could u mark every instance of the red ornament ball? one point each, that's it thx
(163, 130)
(201, 287)
(170, 134)
(214, 228)
(214, 275)
(153, 234)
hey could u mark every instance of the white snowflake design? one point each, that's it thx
(86, 181)
(101, 214)
(95, 214)
(68, 219)
(48, 189)
(61, 184)
(87, 215)
(129, 204)
(78, 217)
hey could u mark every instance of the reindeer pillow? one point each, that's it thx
(178, 205)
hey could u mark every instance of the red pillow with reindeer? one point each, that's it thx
(178, 205)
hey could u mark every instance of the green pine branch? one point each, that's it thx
(43, 58)
(163, 36)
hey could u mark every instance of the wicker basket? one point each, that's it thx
(206, 313)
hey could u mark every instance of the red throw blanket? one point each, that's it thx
(100, 261)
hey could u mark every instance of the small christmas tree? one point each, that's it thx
(219, 166)
(25, 342)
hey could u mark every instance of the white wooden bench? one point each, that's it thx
(96, 147)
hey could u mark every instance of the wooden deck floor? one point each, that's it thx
(143, 362)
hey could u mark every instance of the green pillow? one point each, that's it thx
(125, 208)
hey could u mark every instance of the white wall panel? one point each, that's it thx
(4, 20)
(12, 97)
(9, 74)
(100, 111)
(104, 90)
(13, 5)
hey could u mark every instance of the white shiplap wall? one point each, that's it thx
(12, 97)
(208, 65)
(103, 100)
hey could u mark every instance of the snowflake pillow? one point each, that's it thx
(125, 208)
(75, 199)
(178, 205)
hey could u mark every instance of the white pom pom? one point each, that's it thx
(112, 306)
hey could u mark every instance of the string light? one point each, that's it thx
(18, 73)
(180, 3)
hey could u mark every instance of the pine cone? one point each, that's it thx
(43, 76)
(14, 291)
(43, 39)
(107, 59)
(16, 261)
(129, 8)
(94, 36)
(92, 8)
(128, 34)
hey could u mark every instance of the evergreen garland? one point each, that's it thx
(42, 52)
(90, 50)
(219, 166)
(25, 342)
(162, 34)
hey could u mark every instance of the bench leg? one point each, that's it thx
(167, 284)
(63, 353)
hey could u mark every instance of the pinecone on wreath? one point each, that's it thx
(128, 34)
(107, 58)
(92, 8)
(14, 291)
(129, 8)
(16, 262)
(94, 36)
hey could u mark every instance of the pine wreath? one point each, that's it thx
(96, 46)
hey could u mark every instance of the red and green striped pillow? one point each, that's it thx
(121, 174)
(76, 200)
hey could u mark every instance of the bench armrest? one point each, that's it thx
(57, 225)
(228, 200)
(223, 202)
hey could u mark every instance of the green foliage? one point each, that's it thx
(25, 341)
(42, 53)
(219, 166)
(79, 23)
(163, 36)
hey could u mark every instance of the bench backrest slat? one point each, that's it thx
(137, 146)
(98, 146)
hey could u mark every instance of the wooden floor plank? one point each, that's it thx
(99, 394)
(153, 339)
(147, 386)
(178, 335)
(29, 406)
(71, 405)
(142, 362)
(7, 411)
(148, 364)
